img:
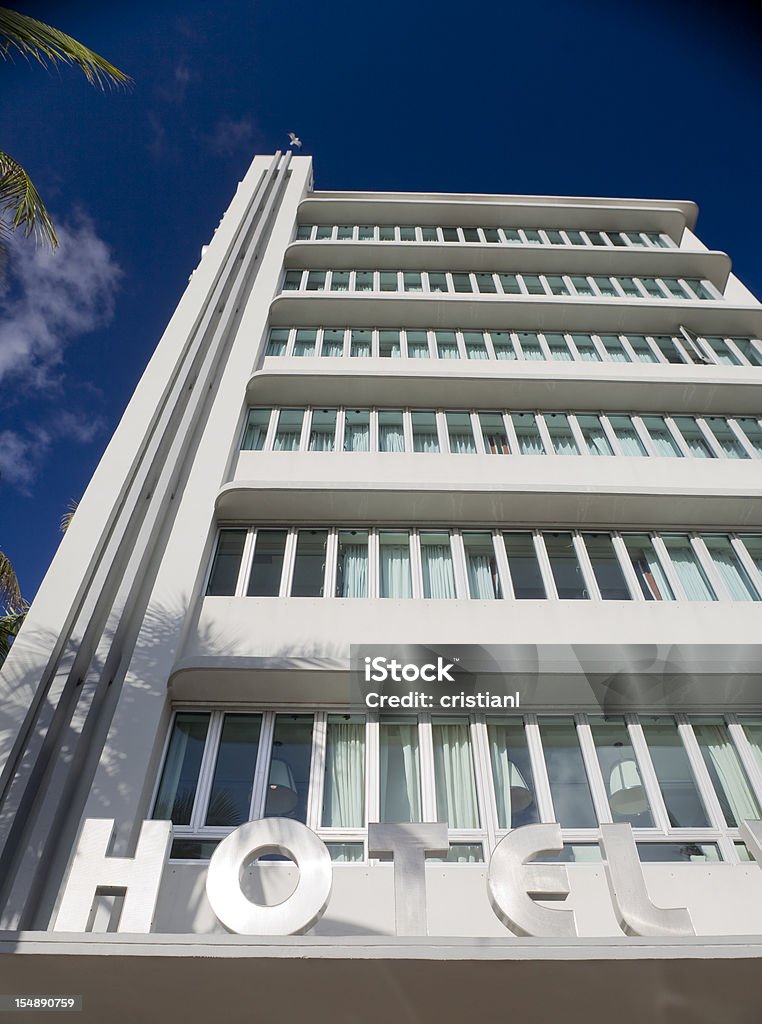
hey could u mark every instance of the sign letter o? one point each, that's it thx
(303, 908)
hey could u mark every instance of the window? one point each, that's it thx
(724, 766)
(485, 283)
(179, 780)
(437, 282)
(226, 563)
(400, 774)
(481, 567)
(267, 565)
(699, 288)
(386, 233)
(626, 794)
(557, 284)
(606, 568)
(560, 434)
(450, 234)
(526, 576)
(425, 437)
(688, 568)
(407, 233)
(333, 343)
(493, 433)
(753, 432)
(436, 562)
(316, 280)
(586, 347)
(661, 436)
(364, 281)
(748, 349)
(394, 564)
(447, 345)
(233, 778)
(454, 773)
(726, 437)
(360, 342)
(391, 434)
(570, 584)
(340, 281)
(730, 569)
(417, 345)
(366, 233)
(429, 234)
(388, 280)
(412, 282)
(289, 430)
(533, 284)
(256, 430)
(694, 437)
(559, 350)
(389, 344)
(306, 340)
(289, 770)
(460, 434)
(668, 349)
(352, 564)
(277, 343)
(292, 281)
(345, 232)
(344, 778)
(461, 282)
(502, 345)
(594, 435)
(642, 349)
(684, 805)
(605, 286)
(309, 565)
(627, 435)
(512, 774)
(530, 345)
(475, 346)
(653, 581)
(357, 430)
(569, 787)
(304, 231)
(510, 284)
(528, 433)
(614, 347)
(323, 430)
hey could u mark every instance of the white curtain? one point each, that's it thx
(417, 350)
(321, 441)
(426, 441)
(720, 753)
(731, 573)
(689, 571)
(561, 354)
(332, 348)
(662, 440)
(255, 437)
(462, 444)
(501, 773)
(391, 437)
(474, 352)
(564, 444)
(454, 770)
(354, 570)
(697, 446)
(438, 578)
(597, 442)
(480, 579)
(649, 570)
(400, 774)
(356, 437)
(629, 441)
(344, 799)
(530, 444)
(287, 439)
(395, 570)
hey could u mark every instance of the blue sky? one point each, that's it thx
(655, 98)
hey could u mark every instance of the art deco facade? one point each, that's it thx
(430, 421)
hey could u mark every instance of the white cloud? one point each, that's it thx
(230, 135)
(52, 298)
(20, 457)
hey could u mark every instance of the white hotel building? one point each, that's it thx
(519, 430)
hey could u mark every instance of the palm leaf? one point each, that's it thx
(68, 515)
(10, 591)
(34, 39)
(21, 202)
(10, 624)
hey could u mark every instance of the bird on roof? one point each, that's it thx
(294, 140)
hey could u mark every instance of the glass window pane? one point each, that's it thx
(694, 437)
(226, 564)
(436, 564)
(748, 349)
(460, 434)
(605, 285)
(493, 433)
(558, 348)
(230, 795)
(565, 567)
(394, 564)
(527, 433)
(454, 773)
(627, 435)
(532, 235)
(346, 231)
(728, 776)
(278, 341)
(359, 345)
(582, 285)
(621, 774)
(586, 348)
(733, 574)
(754, 546)
(530, 345)
(340, 281)
(437, 282)
(651, 577)
(475, 346)
(323, 430)
(389, 344)
(292, 281)
(653, 287)
(425, 437)
(471, 235)
(309, 567)
(614, 347)
(461, 282)
(450, 234)
(391, 434)
(594, 435)
(344, 780)
(333, 342)
(407, 233)
(673, 770)
(305, 342)
(491, 235)
(555, 237)
(324, 231)
(386, 233)
(687, 566)
(663, 441)
(388, 280)
(366, 232)
(723, 353)
(481, 567)
(352, 564)
(753, 432)
(726, 437)
(304, 231)
(412, 281)
(557, 284)
(503, 345)
(699, 287)
(560, 434)
(193, 849)
(511, 773)
(266, 569)
(677, 853)
(606, 568)
(596, 238)
(447, 345)
(289, 431)
(256, 430)
(399, 770)
(346, 853)
(533, 284)
(642, 349)
(316, 280)
(485, 283)
(569, 787)
(364, 281)
(753, 730)
(289, 774)
(429, 234)
(668, 349)
(357, 430)
(417, 344)
(510, 284)
(524, 567)
(179, 780)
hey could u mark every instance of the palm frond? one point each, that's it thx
(21, 203)
(10, 591)
(34, 39)
(10, 624)
(68, 515)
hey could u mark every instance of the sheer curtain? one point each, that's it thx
(629, 441)
(564, 444)
(462, 443)
(732, 575)
(597, 442)
(530, 444)
(356, 437)
(395, 570)
(391, 437)
(322, 440)
(719, 753)
(646, 564)
(354, 570)
(426, 440)
(400, 774)
(689, 572)
(662, 441)
(344, 797)
(454, 770)
(438, 578)
(480, 579)
(501, 773)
